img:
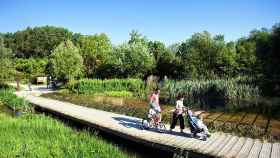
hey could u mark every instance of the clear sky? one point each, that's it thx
(165, 20)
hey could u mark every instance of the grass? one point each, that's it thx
(34, 135)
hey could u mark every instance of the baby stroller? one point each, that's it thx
(194, 127)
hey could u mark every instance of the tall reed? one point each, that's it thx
(224, 92)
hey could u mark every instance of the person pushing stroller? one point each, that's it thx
(195, 122)
(178, 114)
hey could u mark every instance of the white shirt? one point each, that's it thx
(179, 106)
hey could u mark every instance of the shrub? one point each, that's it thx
(86, 86)
(12, 101)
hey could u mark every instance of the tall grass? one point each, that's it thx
(225, 92)
(40, 136)
(8, 98)
(92, 86)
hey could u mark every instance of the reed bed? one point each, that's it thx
(229, 93)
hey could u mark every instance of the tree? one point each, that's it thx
(166, 62)
(136, 37)
(38, 41)
(94, 50)
(204, 56)
(131, 59)
(66, 62)
(6, 65)
(269, 58)
(31, 67)
(135, 59)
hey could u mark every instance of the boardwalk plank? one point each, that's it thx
(221, 145)
(228, 146)
(245, 150)
(236, 148)
(204, 143)
(209, 142)
(255, 151)
(275, 150)
(214, 146)
(266, 150)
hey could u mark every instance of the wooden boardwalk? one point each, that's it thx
(218, 145)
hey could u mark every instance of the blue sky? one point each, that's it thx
(165, 20)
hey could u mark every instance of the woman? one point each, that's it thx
(154, 103)
(178, 114)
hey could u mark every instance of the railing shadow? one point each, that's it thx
(128, 122)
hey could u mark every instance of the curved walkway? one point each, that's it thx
(218, 145)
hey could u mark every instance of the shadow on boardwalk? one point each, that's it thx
(136, 123)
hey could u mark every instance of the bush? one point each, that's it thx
(12, 101)
(86, 86)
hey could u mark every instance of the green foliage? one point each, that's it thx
(41, 136)
(94, 50)
(6, 65)
(12, 101)
(66, 62)
(132, 60)
(228, 93)
(136, 37)
(38, 41)
(204, 56)
(246, 56)
(86, 86)
(167, 64)
(269, 57)
(31, 67)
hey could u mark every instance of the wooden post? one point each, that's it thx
(18, 86)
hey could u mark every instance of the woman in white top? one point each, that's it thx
(178, 114)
